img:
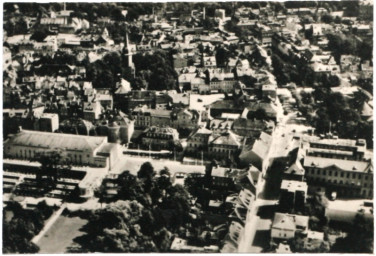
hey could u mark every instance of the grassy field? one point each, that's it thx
(60, 236)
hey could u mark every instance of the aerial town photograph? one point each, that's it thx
(188, 127)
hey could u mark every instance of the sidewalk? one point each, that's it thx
(48, 225)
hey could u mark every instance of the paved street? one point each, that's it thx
(256, 229)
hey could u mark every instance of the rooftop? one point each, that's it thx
(56, 141)
(345, 165)
(293, 185)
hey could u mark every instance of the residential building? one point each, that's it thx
(209, 62)
(159, 138)
(256, 153)
(221, 178)
(286, 226)
(220, 125)
(198, 140)
(252, 127)
(145, 117)
(118, 130)
(348, 178)
(181, 245)
(269, 91)
(292, 195)
(294, 172)
(128, 102)
(349, 63)
(49, 122)
(226, 145)
(92, 110)
(332, 147)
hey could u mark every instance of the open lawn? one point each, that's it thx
(60, 236)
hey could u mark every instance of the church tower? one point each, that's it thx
(129, 51)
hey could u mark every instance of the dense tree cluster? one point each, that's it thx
(240, 32)
(286, 72)
(359, 239)
(337, 114)
(141, 218)
(341, 44)
(20, 226)
(156, 69)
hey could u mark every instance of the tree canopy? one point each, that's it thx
(141, 218)
(19, 229)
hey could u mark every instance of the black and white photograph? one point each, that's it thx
(187, 127)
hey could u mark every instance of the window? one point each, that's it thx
(336, 173)
(318, 171)
(342, 174)
(330, 173)
(324, 172)
(348, 175)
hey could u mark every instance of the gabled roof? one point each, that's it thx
(289, 221)
(227, 138)
(283, 221)
(124, 87)
(200, 131)
(296, 169)
(367, 110)
(261, 146)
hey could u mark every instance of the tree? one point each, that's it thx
(39, 35)
(358, 100)
(101, 192)
(306, 97)
(146, 171)
(131, 189)
(209, 23)
(50, 166)
(222, 55)
(327, 18)
(165, 171)
(359, 239)
(259, 114)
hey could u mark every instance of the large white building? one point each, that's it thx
(76, 149)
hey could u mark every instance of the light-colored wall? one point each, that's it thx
(282, 234)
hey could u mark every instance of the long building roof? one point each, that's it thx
(56, 141)
(345, 165)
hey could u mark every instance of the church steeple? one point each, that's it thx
(128, 51)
